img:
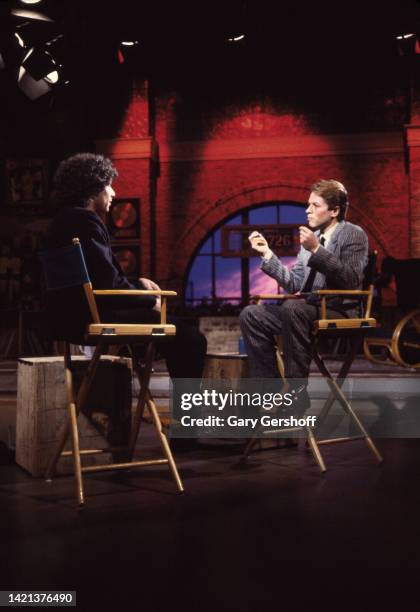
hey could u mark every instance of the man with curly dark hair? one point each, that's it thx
(83, 190)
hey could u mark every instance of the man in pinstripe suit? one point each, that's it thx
(333, 255)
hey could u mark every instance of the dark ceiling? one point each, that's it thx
(180, 37)
(309, 55)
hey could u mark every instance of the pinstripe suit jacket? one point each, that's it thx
(339, 265)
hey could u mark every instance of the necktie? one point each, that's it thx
(310, 280)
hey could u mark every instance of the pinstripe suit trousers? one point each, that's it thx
(293, 320)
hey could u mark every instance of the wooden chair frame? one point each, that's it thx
(353, 328)
(102, 335)
(394, 344)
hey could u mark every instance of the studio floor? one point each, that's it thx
(273, 534)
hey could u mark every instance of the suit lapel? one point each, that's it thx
(332, 245)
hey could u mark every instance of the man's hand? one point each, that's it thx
(308, 239)
(259, 244)
(151, 286)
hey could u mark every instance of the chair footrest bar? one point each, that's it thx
(123, 466)
(96, 451)
(336, 440)
(282, 430)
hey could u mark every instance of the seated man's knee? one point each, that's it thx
(247, 316)
(291, 308)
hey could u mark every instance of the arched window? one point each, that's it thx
(214, 280)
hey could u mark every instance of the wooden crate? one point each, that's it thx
(41, 409)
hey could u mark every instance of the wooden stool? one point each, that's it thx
(227, 366)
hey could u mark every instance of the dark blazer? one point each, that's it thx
(339, 265)
(104, 271)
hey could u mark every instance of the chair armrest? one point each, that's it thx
(275, 296)
(354, 293)
(341, 292)
(134, 292)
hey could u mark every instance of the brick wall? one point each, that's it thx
(202, 182)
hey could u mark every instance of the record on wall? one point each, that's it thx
(123, 219)
(129, 259)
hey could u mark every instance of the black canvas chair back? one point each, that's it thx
(370, 271)
(66, 278)
(64, 268)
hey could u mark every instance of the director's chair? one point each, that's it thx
(354, 331)
(64, 270)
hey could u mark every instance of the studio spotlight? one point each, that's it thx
(32, 15)
(405, 36)
(407, 44)
(39, 63)
(236, 37)
(11, 51)
(34, 34)
(126, 49)
(38, 73)
(31, 1)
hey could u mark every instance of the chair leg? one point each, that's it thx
(75, 439)
(347, 408)
(81, 398)
(144, 380)
(315, 450)
(344, 370)
(144, 400)
(82, 394)
(164, 442)
(248, 448)
(336, 393)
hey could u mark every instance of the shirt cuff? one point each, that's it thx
(267, 256)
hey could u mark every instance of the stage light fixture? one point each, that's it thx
(126, 49)
(39, 63)
(32, 88)
(34, 34)
(11, 51)
(33, 15)
(31, 1)
(20, 40)
(38, 73)
(407, 44)
(405, 36)
(236, 37)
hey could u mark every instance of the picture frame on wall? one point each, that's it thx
(123, 219)
(26, 181)
(128, 256)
